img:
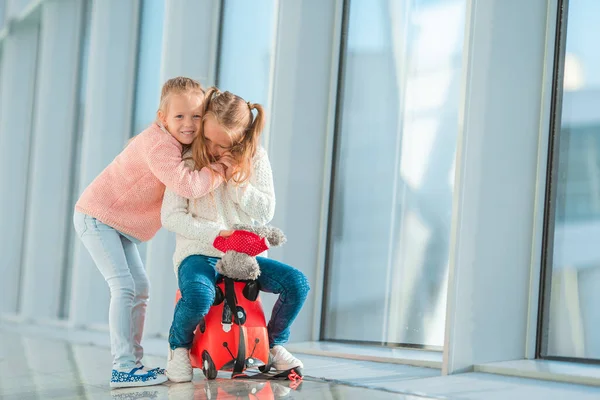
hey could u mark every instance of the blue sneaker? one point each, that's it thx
(135, 377)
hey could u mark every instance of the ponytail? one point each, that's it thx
(257, 125)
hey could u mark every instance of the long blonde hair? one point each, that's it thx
(235, 116)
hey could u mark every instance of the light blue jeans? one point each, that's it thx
(117, 257)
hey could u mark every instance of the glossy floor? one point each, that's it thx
(38, 368)
(34, 366)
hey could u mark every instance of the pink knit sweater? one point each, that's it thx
(128, 194)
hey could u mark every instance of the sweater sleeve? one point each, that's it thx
(257, 196)
(165, 161)
(175, 217)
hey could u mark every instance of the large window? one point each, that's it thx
(394, 172)
(247, 38)
(571, 320)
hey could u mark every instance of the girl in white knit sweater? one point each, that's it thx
(229, 135)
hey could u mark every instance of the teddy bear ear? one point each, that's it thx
(276, 237)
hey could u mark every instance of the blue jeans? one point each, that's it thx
(197, 278)
(117, 257)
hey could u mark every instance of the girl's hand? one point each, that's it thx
(218, 168)
(229, 162)
(225, 233)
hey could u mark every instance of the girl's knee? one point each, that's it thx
(142, 287)
(298, 285)
(198, 296)
(121, 286)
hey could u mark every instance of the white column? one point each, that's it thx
(507, 73)
(48, 210)
(107, 126)
(300, 142)
(18, 87)
(189, 49)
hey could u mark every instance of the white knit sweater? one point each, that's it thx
(197, 222)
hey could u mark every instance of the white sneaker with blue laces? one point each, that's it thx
(134, 378)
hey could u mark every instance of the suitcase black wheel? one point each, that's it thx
(208, 366)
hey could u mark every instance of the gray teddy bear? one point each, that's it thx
(242, 266)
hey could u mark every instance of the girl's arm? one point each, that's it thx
(165, 161)
(176, 218)
(257, 196)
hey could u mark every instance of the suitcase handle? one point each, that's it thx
(240, 361)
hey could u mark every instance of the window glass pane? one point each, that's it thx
(148, 84)
(246, 48)
(394, 172)
(574, 320)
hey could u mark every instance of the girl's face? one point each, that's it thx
(216, 138)
(183, 117)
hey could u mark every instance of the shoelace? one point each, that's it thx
(155, 371)
(143, 377)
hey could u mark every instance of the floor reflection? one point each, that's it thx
(33, 367)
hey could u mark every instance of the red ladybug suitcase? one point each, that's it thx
(220, 343)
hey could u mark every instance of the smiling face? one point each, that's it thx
(183, 117)
(216, 138)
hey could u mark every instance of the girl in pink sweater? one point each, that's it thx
(121, 208)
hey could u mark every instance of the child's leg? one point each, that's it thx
(197, 278)
(105, 246)
(140, 297)
(292, 287)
